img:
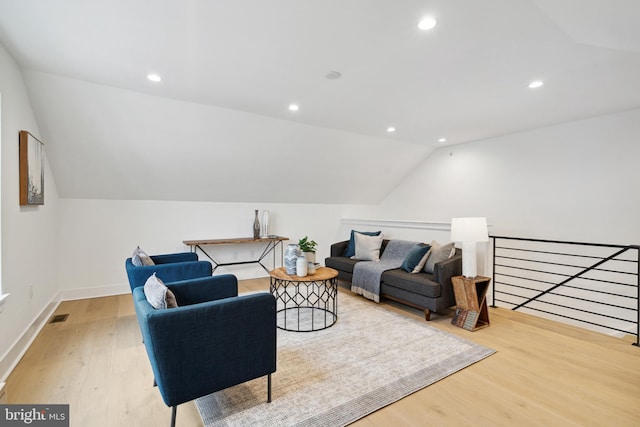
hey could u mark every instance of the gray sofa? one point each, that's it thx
(428, 292)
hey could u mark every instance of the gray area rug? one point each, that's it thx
(370, 358)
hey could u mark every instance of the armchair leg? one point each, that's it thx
(174, 410)
(427, 314)
(269, 388)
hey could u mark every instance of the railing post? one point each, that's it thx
(493, 274)
(637, 343)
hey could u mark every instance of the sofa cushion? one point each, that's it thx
(140, 258)
(351, 247)
(438, 253)
(415, 257)
(421, 283)
(367, 247)
(341, 263)
(157, 293)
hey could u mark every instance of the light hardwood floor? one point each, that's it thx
(544, 373)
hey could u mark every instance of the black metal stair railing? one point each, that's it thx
(587, 284)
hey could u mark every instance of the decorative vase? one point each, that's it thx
(264, 231)
(290, 258)
(301, 266)
(256, 227)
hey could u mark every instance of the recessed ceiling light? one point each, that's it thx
(442, 140)
(294, 107)
(391, 129)
(154, 78)
(333, 75)
(536, 84)
(427, 23)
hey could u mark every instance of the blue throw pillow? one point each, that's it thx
(414, 257)
(351, 248)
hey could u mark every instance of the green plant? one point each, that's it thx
(307, 245)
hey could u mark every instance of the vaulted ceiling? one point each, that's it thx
(217, 127)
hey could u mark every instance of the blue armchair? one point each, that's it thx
(170, 267)
(215, 339)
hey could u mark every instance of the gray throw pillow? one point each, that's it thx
(140, 258)
(438, 253)
(158, 295)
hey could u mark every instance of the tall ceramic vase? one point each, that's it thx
(301, 266)
(264, 231)
(256, 226)
(291, 254)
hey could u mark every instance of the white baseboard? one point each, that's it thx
(11, 358)
(95, 292)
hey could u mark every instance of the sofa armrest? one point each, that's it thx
(338, 249)
(443, 271)
(194, 291)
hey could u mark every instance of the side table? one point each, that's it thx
(305, 304)
(471, 301)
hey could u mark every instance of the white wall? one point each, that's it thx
(29, 234)
(97, 236)
(574, 181)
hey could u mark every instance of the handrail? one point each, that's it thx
(547, 276)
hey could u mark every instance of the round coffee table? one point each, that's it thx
(305, 304)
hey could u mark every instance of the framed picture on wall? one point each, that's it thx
(31, 169)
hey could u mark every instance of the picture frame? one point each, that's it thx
(31, 153)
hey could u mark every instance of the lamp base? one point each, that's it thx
(469, 260)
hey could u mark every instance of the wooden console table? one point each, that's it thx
(271, 244)
(471, 300)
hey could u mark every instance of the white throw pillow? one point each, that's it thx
(367, 247)
(158, 295)
(140, 258)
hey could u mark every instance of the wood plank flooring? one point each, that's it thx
(544, 373)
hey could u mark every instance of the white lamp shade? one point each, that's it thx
(469, 230)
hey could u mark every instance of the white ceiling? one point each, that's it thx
(239, 63)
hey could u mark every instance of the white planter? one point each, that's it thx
(311, 256)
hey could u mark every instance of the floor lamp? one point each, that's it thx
(469, 231)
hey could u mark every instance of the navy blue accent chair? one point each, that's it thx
(215, 339)
(169, 267)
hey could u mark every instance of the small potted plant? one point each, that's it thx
(308, 248)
